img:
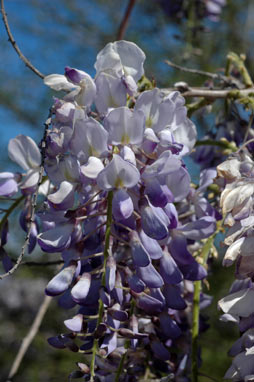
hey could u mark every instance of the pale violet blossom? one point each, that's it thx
(118, 68)
(124, 57)
(118, 174)
(125, 126)
(167, 112)
(89, 139)
(79, 85)
(24, 151)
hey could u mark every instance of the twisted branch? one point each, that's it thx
(125, 20)
(213, 94)
(27, 340)
(15, 45)
(214, 76)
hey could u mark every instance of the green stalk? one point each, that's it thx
(195, 330)
(192, 107)
(121, 364)
(238, 61)
(103, 281)
(196, 300)
(222, 143)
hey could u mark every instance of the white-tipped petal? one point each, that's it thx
(63, 198)
(92, 168)
(233, 252)
(127, 154)
(24, 151)
(58, 82)
(236, 197)
(29, 183)
(229, 169)
(239, 303)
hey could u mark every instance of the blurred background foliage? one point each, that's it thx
(54, 34)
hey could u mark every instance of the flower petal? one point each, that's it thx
(122, 205)
(169, 270)
(140, 256)
(75, 324)
(61, 282)
(58, 82)
(150, 276)
(81, 289)
(24, 151)
(151, 245)
(56, 239)
(151, 221)
(92, 168)
(179, 183)
(118, 174)
(111, 92)
(239, 303)
(89, 139)
(125, 126)
(124, 57)
(8, 184)
(63, 198)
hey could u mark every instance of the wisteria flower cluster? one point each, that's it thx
(236, 176)
(120, 208)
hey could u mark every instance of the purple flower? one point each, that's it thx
(8, 184)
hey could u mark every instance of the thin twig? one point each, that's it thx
(43, 263)
(93, 231)
(248, 128)
(125, 20)
(29, 337)
(245, 144)
(15, 45)
(120, 239)
(213, 93)
(91, 199)
(80, 218)
(123, 226)
(214, 76)
(34, 198)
